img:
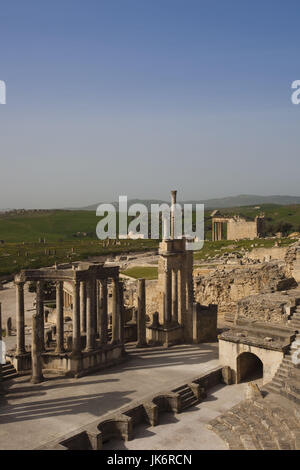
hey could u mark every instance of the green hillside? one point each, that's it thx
(63, 225)
(71, 235)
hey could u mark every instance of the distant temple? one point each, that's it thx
(237, 228)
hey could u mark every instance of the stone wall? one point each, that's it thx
(292, 260)
(226, 288)
(238, 229)
(268, 308)
(152, 295)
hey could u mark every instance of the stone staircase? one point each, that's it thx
(272, 422)
(286, 381)
(260, 424)
(187, 396)
(8, 371)
(294, 322)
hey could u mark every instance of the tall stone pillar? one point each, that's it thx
(141, 315)
(173, 202)
(121, 314)
(91, 315)
(76, 343)
(213, 231)
(83, 307)
(36, 353)
(174, 296)
(103, 311)
(37, 346)
(40, 311)
(59, 318)
(167, 292)
(20, 318)
(115, 310)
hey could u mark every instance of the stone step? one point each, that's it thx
(10, 375)
(232, 440)
(7, 366)
(186, 393)
(277, 383)
(189, 402)
(272, 388)
(251, 434)
(291, 396)
(294, 386)
(181, 388)
(273, 426)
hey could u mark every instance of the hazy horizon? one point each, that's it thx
(127, 97)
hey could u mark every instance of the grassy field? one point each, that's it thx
(16, 256)
(71, 235)
(61, 225)
(146, 272)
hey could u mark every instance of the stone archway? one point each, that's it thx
(249, 367)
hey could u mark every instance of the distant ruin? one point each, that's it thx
(237, 228)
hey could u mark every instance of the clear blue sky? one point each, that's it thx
(136, 97)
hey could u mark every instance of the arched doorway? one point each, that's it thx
(249, 367)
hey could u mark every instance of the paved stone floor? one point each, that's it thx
(31, 415)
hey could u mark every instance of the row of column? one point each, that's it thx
(178, 294)
(89, 316)
(172, 285)
(217, 231)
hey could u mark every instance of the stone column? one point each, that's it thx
(182, 295)
(173, 202)
(141, 316)
(40, 311)
(20, 318)
(83, 307)
(37, 346)
(167, 296)
(115, 310)
(36, 353)
(121, 314)
(174, 296)
(76, 343)
(91, 314)
(220, 231)
(103, 311)
(213, 230)
(59, 318)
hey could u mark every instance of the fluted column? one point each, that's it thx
(59, 318)
(91, 314)
(174, 296)
(103, 311)
(83, 307)
(76, 345)
(37, 346)
(20, 318)
(36, 359)
(115, 310)
(167, 292)
(121, 313)
(40, 312)
(141, 315)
